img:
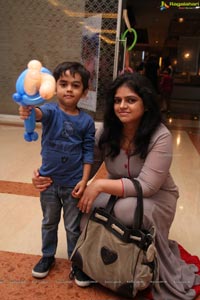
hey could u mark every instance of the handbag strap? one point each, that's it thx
(139, 211)
(138, 215)
(111, 203)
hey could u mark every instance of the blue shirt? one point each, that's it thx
(67, 144)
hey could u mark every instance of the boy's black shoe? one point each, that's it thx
(80, 278)
(43, 267)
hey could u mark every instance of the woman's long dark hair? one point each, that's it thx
(111, 137)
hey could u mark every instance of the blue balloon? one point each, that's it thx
(22, 98)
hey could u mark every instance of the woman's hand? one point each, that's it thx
(109, 186)
(89, 195)
(40, 183)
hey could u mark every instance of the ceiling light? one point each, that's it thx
(186, 55)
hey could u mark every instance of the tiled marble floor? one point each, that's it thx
(20, 214)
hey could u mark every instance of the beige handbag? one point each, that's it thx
(119, 258)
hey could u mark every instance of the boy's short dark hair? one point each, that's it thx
(73, 67)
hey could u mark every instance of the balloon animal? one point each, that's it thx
(34, 85)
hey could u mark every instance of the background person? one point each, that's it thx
(152, 71)
(166, 89)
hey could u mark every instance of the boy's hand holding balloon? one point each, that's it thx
(33, 86)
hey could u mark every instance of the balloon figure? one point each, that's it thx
(34, 85)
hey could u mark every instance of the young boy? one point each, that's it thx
(67, 156)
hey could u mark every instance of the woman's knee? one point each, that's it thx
(124, 210)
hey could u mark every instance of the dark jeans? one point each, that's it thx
(52, 201)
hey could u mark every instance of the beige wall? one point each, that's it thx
(38, 29)
(47, 30)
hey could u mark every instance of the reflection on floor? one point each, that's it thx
(20, 214)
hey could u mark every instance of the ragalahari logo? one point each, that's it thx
(179, 5)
